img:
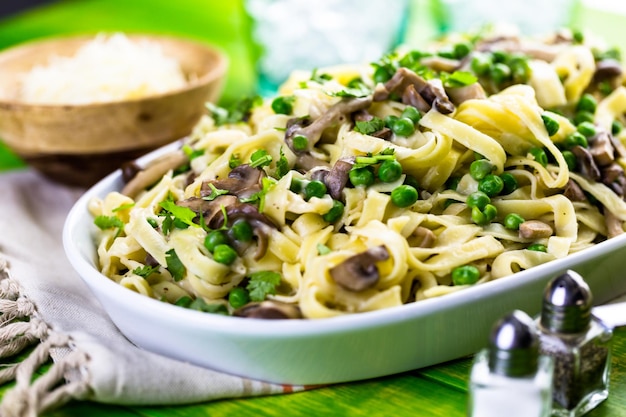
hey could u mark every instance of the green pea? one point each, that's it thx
(576, 138)
(509, 183)
(480, 168)
(297, 185)
(588, 103)
(538, 247)
(578, 36)
(500, 73)
(491, 185)
(500, 56)
(382, 75)
(224, 254)
(587, 129)
(390, 120)
(214, 238)
(300, 143)
(283, 104)
(485, 216)
(490, 212)
(520, 70)
(616, 127)
(481, 63)
(404, 195)
(238, 297)
(242, 231)
(335, 212)
(605, 87)
(465, 275)
(478, 200)
(462, 49)
(570, 159)
(513, 220)
(390, 170)
(552, 126)
(403, 127)
(583, 116)
(412, 113)
(314, 189)
(361, 176)
(539, 155)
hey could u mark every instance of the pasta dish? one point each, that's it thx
(365, 187)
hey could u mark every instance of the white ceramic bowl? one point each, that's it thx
(332, 350)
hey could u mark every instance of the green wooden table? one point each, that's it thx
(436, 391)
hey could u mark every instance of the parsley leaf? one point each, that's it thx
(266, 184)
(236, 112)
(174, 265)
(200, 305)
(458, 79)
(234, 161)
(145, 271)
(323, 249)
(262, 283)
(320, 78)
(370, 126)
(214, 193)
(260, 158)
(355, 88)
(192, 153)
(185, 215)
(109, 222)
(123, 207)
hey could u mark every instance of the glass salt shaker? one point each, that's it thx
(510, 378)
(578, 342)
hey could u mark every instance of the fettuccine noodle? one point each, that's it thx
(245, 227)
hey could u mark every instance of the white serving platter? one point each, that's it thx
(322, 351)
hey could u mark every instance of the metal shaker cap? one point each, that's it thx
(514, 346)
(567, 303)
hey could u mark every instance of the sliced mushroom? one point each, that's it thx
(337, 177)
(439, 63)
(411, 97)
(435, 92)
(535, 229)
(213, 214)
(469, 92)
(269, 310)
(601, 149)
(313, 131)
(613, 176)
(574, 192)
(607, 69)
(154, 172)
(586, 163)
(359, 272)
(423, 237)
(243, 181)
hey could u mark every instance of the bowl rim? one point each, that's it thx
(214, 74)
(293, 328)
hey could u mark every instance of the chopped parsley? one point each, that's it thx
(123, 207)
(266, 184)
(214, 193)
(234, 161)
(262, 283)
(458, 79)
(145, 271)
(109, 222)
(234, 113)
(260, 158)
(182, 216)
(192, 153)
(370, 126)
(323, 249)
(320, 78)
(214, 308)
(355, 89)
(174, 265)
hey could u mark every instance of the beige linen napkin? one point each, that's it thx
(45, 303)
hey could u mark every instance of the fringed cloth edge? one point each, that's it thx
(20, 328)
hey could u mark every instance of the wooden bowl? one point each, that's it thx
(79, 144)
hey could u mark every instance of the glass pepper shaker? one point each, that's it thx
(510, 378)
(579, 344)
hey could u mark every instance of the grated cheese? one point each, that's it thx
(108, 68)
